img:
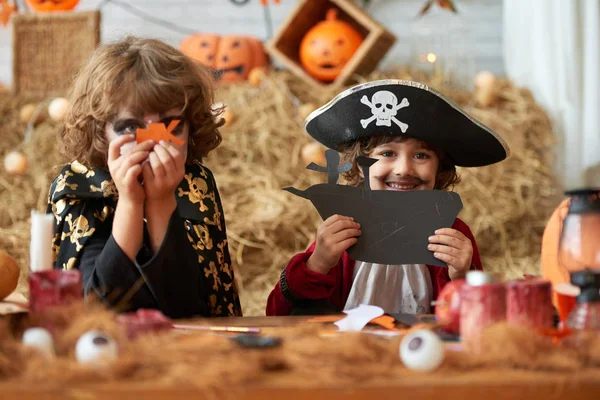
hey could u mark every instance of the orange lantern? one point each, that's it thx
(51, 5)
(328, 46)
(231, 57)
(571, 240)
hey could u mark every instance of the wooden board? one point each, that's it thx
(496, 389)
(488, 384)
(285, 45)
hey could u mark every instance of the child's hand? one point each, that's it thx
(126, 168)
(335, 235)
(163, 173)
(454, 248)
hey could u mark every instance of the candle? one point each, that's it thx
(40, 250)
(48, 287)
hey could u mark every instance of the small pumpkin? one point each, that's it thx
(230, 57)
(257, 76)
(313, 152)
(305, 109)
(15, 163)
(328, 46)
(9, 274)
(27, 111)
(51, 5)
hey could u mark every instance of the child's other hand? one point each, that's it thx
(454, 248)
(126, 168)
(335, 235)
(163, 173)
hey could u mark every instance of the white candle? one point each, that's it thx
(40, 250)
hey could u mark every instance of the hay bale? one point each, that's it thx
(506, 205)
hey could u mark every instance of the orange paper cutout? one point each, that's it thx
(6, 11)
(385, 321)
(157, 132)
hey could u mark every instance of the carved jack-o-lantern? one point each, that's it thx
(52, 5)
(230, 57)
(202, 48)
(328, 46)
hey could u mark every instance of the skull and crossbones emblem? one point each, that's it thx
(384, 106)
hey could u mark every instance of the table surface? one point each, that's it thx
(506, 385)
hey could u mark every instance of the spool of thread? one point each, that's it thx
(483, 304)
(529, 303)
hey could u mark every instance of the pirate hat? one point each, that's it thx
(405, 108)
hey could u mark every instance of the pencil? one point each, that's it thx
(236, 329)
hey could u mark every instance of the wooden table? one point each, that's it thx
(507, 385)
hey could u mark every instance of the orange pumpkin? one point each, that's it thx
(328, 46)
(51, 5)
(230, 57)
(202, 48)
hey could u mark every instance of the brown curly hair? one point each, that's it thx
(144, 75)
(445, 179)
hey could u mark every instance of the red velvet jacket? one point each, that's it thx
(335, 286)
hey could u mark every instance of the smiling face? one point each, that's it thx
(237, 56)
(202, 48)
(327, 47)
(403, 164)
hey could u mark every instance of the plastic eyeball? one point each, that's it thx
(40, 339)
(95, 348)
(422, 350)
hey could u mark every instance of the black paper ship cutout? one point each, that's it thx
(395, 225)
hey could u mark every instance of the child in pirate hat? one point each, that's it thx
(418, 137)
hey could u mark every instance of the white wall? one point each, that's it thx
(483, 18)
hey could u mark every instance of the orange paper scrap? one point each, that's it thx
(385, 321)
(157, 132)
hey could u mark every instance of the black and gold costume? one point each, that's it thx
(189, 275)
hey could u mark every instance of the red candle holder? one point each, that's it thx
(52, 288)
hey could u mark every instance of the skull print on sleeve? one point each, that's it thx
(80, 200)
(199, 204)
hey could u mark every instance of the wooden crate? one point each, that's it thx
(285, 45)
(49, 48)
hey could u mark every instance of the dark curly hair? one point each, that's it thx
(446, 177)
(143, 75)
